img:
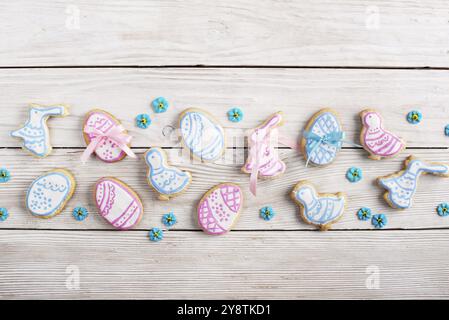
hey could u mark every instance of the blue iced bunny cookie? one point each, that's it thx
(166, 180)
(318, 209)
(401, 186)
(322, 138)
(35, 134)
(49, 193)
(202, 134)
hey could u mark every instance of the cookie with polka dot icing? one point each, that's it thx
(219, 208)
(101, 125)
(49, 193)
(168, 181)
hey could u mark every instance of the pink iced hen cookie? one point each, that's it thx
(99, 120)
(118, 203)
(219, 208)
(380, 143)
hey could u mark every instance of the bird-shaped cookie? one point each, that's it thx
(379, 142)
(35, 134)
(401, 186)
(319, 209)
(166, 180)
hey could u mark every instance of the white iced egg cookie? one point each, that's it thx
(202, 134)
(49, 193)
(219, 208)
(118, 203)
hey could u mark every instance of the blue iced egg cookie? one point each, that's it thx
(202, 134)
(322, 138)
(49, 193)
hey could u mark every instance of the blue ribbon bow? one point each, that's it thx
(335, 139)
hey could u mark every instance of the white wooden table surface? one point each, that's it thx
(268, 55)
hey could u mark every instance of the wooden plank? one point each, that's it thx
(247, 265)
(237, 32)
(259, 92)
(431, 192)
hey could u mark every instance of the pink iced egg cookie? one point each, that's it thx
(118, 203)
(101, 121)
(219, 208)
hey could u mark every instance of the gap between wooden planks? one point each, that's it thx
(431, 191)
(299, 93)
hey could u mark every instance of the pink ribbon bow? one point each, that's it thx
(258, 150)
(116, 134)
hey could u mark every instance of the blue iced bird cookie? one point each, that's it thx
(166, 180)
(49, 193)
(202, 134)
(318, 209)
(35, 133)
(402, 185)
(322, 138)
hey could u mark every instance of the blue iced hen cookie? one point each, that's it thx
(166, 180)
(319, 209)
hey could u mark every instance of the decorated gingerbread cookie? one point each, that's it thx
(263, 160)
(166, 180)
(379, 142)
(401, 186)
(35, 133)
(118, 203)
(322, 138)
(49, 193)
(106, 137)
(202, 134)
(219, 208)
(318, 209)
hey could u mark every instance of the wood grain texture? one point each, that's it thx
(299, 93)
(432, 190)
(237, 32)
(242, 265)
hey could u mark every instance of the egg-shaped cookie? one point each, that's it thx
(219, 208)
(202, 134)
(49, 193)
(118, 203)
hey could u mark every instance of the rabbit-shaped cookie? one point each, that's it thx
(262, 154)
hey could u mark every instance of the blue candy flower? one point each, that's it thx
(354, 174)
(414, 117)
(4, 175)
(443, 209)
(364, 214)
(143, 121)
(267, 213)
(80, 213)
(159, 105)
(156, 234)
(4, 214)
(169, 219)
(446, 130)
(379, 221)
(235, 115)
